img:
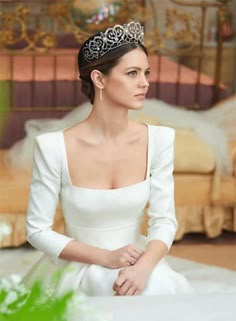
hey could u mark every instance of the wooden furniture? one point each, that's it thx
(228, 69)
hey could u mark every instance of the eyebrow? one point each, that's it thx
(138, 68)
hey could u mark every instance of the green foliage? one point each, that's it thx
(4, 103)
(18, 304)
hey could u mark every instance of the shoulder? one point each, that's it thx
(161, 146)
(49, 140)
(161, 136)
(47, 152)
(49, 145)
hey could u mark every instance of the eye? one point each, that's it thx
(147, 73)
(132, 73)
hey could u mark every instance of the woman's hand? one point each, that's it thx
(132, 280)
(123, 257)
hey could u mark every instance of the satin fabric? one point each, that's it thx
(106, 218)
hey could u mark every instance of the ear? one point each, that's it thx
(97, 78)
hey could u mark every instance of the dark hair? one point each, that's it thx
(103, 64)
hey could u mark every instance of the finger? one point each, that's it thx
(126, 261)
(119, 282)
(136, 292)
(132, 247)
(131, 291)
(133, 261)
(137, 251)
(135, 255)
(124, 288)
(129, 259)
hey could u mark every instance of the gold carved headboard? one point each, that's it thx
(48, 19)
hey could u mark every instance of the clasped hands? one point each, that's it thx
(133, 275)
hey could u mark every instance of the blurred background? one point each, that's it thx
(192, 55)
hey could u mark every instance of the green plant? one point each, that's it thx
(20, 304)
(4, 104)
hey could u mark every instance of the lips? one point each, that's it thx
(141, 95)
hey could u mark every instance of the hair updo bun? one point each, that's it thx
(87, 88)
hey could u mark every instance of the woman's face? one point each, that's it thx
(127, 83)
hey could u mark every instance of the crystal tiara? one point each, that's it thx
(119, 35)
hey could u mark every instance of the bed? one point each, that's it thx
(205, 202)
(39, 76)
(44, 85)
(195, 209)
(48, 85)
(51, 80)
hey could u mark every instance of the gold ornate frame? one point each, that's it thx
(191, 37)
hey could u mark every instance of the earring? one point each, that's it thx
(100, 94)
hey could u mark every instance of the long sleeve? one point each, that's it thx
(162, 220)
(44, 195)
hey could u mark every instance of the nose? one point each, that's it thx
(144, 81)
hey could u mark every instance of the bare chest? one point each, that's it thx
(108, 166)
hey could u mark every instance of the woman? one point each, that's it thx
(104, 170)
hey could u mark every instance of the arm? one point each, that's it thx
(162, 221)
(77, 251)
(44, 195)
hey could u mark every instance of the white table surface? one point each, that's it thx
(194, 307)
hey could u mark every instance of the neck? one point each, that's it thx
(108, 122)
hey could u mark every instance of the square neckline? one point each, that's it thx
(67, 172)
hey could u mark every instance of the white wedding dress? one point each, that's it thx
(106, 218)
